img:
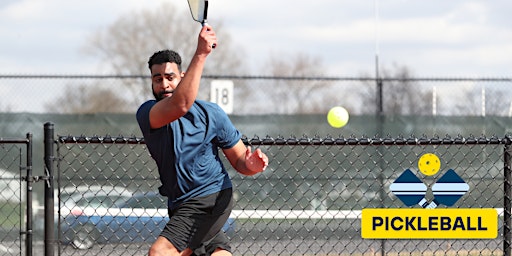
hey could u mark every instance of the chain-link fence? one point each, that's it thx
(258, 95)
(310, 199)
(308, 202)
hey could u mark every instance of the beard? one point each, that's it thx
(161, 95)
(158, 96)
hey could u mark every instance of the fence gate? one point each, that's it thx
(16, 196)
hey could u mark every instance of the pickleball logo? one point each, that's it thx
(411, 190)
(428, 221)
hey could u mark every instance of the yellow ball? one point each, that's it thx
(429, 164)
(337, 117)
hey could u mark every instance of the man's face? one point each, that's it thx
(165, 78)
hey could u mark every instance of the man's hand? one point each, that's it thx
(255, 161)
(207, 38)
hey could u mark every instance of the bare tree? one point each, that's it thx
(86, 99)
(125, 46)
(478, 101)
(305, 94)
(401, 94)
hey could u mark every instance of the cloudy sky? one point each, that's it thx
(433, 38)
(456, 38)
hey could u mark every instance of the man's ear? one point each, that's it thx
(182, 74)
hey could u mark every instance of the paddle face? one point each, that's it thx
(199, 10)
(408, 188)
(449, 188)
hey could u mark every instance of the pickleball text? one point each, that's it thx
(419, 223)
(431, 223)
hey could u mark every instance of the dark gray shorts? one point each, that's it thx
(197, 223)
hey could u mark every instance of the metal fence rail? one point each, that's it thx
(307, 202)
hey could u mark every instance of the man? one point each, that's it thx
(183, 136)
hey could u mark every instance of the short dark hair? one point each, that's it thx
(164, 56)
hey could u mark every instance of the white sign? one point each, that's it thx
(221, 92)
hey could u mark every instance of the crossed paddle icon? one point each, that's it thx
(411, 190)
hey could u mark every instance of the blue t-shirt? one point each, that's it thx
(186, 151)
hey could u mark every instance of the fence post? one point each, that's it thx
(30, 180)
(507, 200)
(49, 225)
(380, 129)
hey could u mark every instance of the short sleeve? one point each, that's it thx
(227, 134)
(143, 116)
